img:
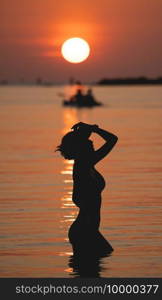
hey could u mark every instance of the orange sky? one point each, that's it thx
(124, 35)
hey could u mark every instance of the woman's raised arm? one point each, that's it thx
(110, 139)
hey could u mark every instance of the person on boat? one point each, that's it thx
(79, 97)
(90, 100)
(88, 185)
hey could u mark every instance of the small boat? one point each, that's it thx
(81, 100)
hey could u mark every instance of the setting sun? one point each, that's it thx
(75, 50)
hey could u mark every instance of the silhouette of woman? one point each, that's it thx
(88, 184)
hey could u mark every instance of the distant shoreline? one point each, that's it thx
(130, 81)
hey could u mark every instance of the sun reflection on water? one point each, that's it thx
(67, 206)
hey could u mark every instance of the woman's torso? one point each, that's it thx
(88, 184)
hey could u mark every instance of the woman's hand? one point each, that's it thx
(85, 126)
(84, 130)
(77, 126)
